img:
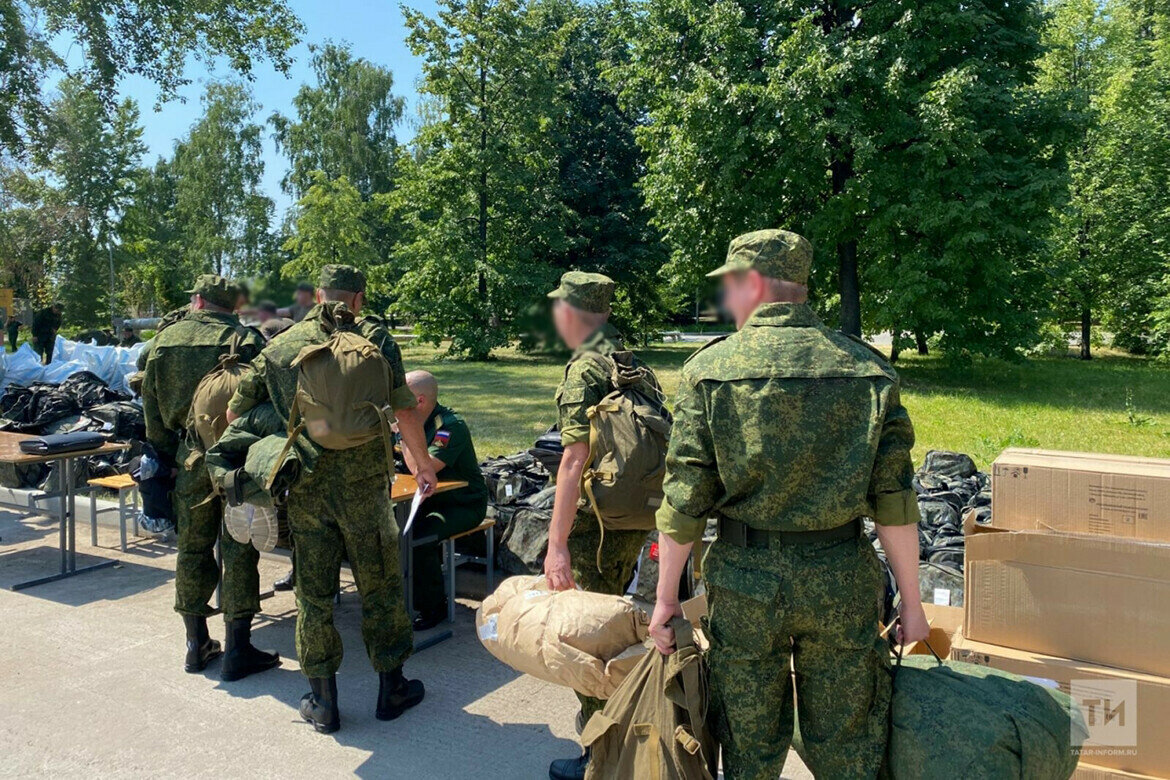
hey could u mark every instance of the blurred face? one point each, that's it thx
(562, 315)
(742, 294)
(263, 316)
(304, 298)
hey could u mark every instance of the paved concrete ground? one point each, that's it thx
(92, 686)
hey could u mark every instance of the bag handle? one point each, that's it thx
(897, 649)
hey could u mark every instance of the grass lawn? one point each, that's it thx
(1114, 403)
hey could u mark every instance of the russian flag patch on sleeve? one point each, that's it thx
(441, 438)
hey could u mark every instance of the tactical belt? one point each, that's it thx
(741, 535)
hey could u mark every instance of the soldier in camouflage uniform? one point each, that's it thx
(180, 356)
(342, 507)
(581, 311)
(788, 433)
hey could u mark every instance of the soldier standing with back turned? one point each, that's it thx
(342, 507)
(788, 433)
(180, 356)
(581, 308)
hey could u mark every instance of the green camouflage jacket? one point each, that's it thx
(586, 382)
(272, 377)
(179, 358)
(787, 426)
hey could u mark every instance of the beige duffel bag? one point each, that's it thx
(586, 641)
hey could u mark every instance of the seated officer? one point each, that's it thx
(444, 514)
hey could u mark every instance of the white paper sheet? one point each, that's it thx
(415, 503)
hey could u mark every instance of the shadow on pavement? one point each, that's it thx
(458, 674)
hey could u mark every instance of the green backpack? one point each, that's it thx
(343, 394)
(629, 431)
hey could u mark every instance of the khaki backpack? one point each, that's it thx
(629, 431)
(343, 394)
(654, 727)
(208, 414)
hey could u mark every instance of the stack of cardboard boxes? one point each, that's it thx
(1071, 584)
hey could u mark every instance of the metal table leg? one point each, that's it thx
(67, 533)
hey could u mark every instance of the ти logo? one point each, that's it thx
(1109, 709)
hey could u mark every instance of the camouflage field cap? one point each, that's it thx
(343, 277)
(216, 290)
(585, 291)
(779, 254)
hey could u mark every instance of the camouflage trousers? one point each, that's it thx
(443, 515)
(334, 514)
(817, 605)
(198, 526)
(619, 558)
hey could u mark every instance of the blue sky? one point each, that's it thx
(374, 30)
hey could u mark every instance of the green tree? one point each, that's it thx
(899, 137)
(344, 128)
(603, 217)
(155, 271)
(331, 227)
(224, 216)
(477, 200)
(91, 162)
(1111, 242)
(344, 124)
(112, 39)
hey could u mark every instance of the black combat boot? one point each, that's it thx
(241, 659)
(429, 618)
(569, 768)
(396, 694)
(288, 581)
(201, 648)
(319, 706)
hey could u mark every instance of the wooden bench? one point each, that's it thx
(122, 484)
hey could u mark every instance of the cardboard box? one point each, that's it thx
(1096, 599)
(945, 623)
(1080, 492)
(1127, 713)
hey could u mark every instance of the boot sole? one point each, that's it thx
(319, 727)
(197, 668)
(265, 529)
(231, 675)
(398, 711)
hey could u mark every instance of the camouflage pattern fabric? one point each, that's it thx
(584, 385)
(375, 331)
(272, 379)
(180, 357)
(619, 557)
(778, 254)
(818, 604)
(217, 290)
(335, 511)
(585, 291)
(198, 524)
(342, 507)
(787, 426)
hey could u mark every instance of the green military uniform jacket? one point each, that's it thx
(179, 358)
(449, 440)
(272, 378)
(787, 425)
(586, 382)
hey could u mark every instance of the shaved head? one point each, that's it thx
(423, 383)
